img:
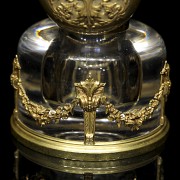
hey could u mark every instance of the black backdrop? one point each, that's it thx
(17, 16)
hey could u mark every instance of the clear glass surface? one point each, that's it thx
(52, 60)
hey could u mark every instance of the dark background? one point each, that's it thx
(17, 16)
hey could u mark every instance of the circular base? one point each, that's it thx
(101, 158)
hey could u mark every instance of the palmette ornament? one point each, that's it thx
(90, 88)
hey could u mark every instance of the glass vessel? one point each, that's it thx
(129, 62)
(90, 88)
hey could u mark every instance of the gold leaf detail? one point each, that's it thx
(40, 113)
(89, 13)
(89, 93)
(135, 118)
(89, 96)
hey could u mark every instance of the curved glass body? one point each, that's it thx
(52, 60)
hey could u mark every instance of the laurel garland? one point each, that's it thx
(133, 118)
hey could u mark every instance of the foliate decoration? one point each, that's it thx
(89, 93)
(40, 113)
(89, 96)
(165, 80)
(135, 118)
(15, 75)
(89, 13)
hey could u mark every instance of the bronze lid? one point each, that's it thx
(90, 16)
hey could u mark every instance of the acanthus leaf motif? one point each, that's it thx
(89, 13)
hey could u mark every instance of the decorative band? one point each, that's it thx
(90, 96)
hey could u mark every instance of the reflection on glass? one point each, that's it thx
(52, 60)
